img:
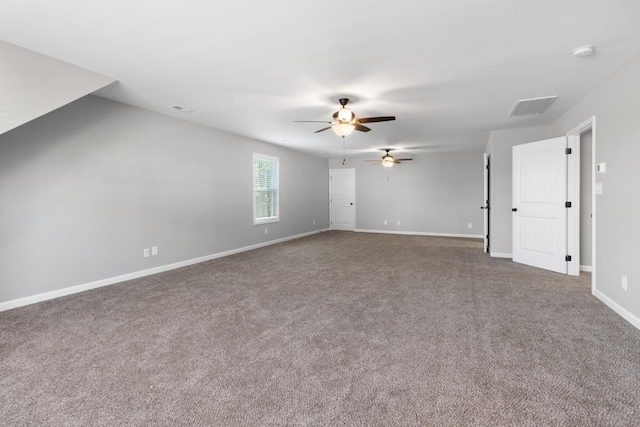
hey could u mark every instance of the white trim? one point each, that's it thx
(276, 218)
(586, 268)
(590, 123)
(626, 315)
(485, 202)
(420, 233)
(20, 302)
(500, 255)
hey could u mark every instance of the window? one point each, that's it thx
(265, 189)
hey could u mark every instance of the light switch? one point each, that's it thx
(601, 167)
(598, 188)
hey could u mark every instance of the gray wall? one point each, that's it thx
(499, 148)
(84, 189)
(434, 193)
(616, 105)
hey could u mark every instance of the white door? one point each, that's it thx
(539, 197)
(342, 198)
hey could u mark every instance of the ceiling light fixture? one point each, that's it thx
(583, 51)
(343, 129)
(387, 160)
(345, 115)
(344, 120)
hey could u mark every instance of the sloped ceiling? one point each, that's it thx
(33, 85)
(450, 71)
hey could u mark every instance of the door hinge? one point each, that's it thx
(567, 204)
(567, 151)
(567, 258)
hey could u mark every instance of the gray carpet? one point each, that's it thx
(336, 329)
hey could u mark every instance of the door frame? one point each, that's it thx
(574, 135)
(486, 205)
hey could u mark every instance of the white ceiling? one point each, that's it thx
(449, 70)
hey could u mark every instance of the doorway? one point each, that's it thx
(579, 212)
(580, 135)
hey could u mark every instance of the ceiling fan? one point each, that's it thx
(344, 121)
(388, 160)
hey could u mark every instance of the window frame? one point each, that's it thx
(276, 217)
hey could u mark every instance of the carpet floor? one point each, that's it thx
(335, 329)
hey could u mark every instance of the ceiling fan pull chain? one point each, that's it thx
(344, 152)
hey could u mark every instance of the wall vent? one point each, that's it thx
(533, 106)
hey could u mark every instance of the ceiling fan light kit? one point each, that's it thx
(345, 115)
(388, 160)
(343, 129)
(345, 122)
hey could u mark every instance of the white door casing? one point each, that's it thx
(486, 207)
(539, 210)
(342, 197)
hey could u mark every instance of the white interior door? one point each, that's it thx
(539, 197)
(342, 198)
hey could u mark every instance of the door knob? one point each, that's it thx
(514, 210)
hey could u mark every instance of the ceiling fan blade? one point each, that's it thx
(361, 128)
(323, 129)
(376, 119)
(404, 160)
(310, 121)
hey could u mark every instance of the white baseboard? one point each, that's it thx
(420, 233)
(587, 268)
(499, 255)
(624, 313)
(21, 302)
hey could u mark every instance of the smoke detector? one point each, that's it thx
(583, 51)
(181, 109)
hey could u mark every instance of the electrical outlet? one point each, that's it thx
(146, 252)
(398, 223)
(154, 251)
(624, 282)
(314, 222)
(266, 231)
(385, 222)
(469, 225)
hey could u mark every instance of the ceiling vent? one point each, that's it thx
(533, 106)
